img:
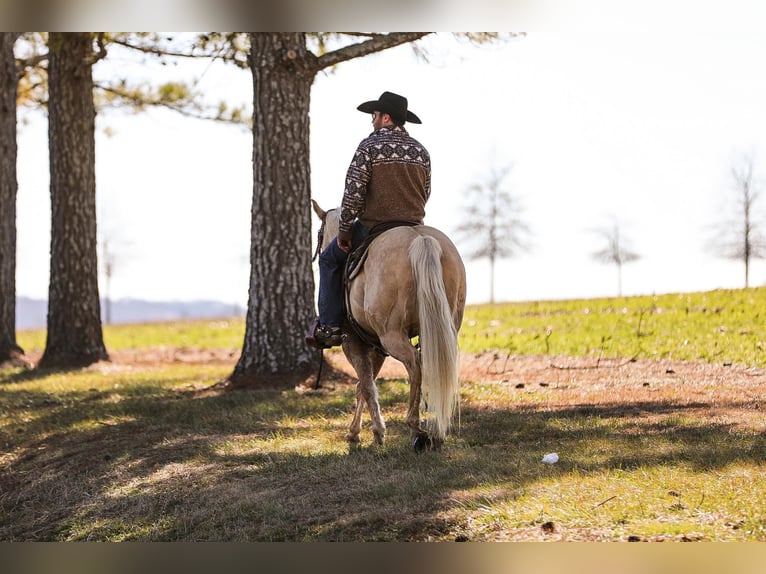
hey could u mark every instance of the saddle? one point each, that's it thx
(354, 265)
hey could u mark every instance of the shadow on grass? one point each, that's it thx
(156, 464)
(29, 373)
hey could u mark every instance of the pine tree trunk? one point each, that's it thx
(74, 314)
(281, 295)
(9, 349)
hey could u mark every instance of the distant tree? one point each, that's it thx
(493, 222)
(9, 348)
(114, 255)
(108, 259)
(615, 252)
(74, 336)
(742, 237)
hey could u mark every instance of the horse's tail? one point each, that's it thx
(438, 335)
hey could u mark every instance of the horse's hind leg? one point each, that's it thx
(367, 364)
(402, 349)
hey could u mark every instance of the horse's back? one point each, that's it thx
(383, 294)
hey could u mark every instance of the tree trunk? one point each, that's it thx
(619, 279)
(281, 295)
(492, 279)
(74, 313)
(9, 349)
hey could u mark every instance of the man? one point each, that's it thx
(389, 180)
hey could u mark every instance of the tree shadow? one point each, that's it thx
(164, 465)
(32, 373)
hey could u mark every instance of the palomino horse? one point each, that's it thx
(412, 284)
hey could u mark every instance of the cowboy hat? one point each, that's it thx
(392, 104)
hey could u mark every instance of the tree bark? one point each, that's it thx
(74, 314)
(281, 294)
(9, 349)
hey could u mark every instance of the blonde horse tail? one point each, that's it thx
(438, 335)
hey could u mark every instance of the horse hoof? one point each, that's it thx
(421, 442)
(353, 438)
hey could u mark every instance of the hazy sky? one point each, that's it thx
(605, 112)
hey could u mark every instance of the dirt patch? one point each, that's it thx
(730, 394)
(728, 389)
(543, 370)
(727, 393)
(520, 369)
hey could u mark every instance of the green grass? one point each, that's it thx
(208, 334)
(716, 326)
(157, 452)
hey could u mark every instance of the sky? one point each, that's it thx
(605, 112)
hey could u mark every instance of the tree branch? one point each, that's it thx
(153, 49)
(187, 107)
(377, 43)
(101, 53)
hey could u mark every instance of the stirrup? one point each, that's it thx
(329, 336)
(324, 337)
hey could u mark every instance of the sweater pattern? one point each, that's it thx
(389, 178)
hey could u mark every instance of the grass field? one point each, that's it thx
(727, 326)
(654, 405)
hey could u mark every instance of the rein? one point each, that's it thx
(319, 372)
(320, 236)
(320, 240)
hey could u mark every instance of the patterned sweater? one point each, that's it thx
(389, 179)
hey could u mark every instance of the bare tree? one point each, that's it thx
(741, 238)
(107, 264)
(615, 251)
(114, 254)
(493, 222)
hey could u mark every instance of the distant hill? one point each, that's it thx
(32, 313)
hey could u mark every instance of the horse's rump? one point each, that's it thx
(382, 296)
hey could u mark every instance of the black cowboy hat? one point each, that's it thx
(392, 104)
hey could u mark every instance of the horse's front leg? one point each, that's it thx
(367, 364)
(370, 395)
(367, 394)
(356, 422)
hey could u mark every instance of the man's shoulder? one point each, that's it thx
(386, 137)
(368, 141)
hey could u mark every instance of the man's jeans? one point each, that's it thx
(332, 263)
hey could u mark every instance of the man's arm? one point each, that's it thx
(357, 178)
